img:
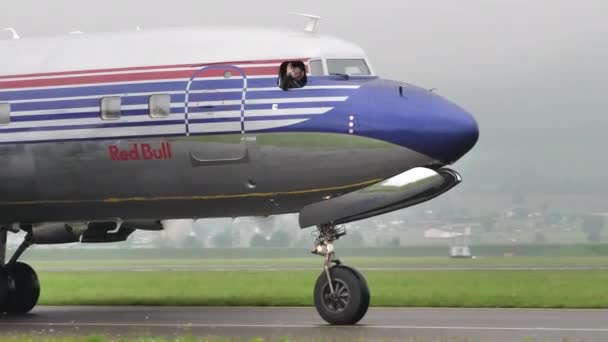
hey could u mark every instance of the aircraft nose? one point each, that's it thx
(454, 130)
(423, 121)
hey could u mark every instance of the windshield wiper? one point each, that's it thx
(345, 76)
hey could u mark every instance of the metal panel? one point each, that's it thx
(212, 104)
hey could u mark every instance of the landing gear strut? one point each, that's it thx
(341, 294)
(19, 286)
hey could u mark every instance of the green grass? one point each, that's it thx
(100, 338)
(529, 289)
(83, 252)
(313, 261)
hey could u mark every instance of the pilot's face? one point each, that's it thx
(297, 73)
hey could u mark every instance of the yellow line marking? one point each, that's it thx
(194, 198)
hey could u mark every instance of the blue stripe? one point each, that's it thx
(83, 115)
(157, 87)
(219, 109)
(100, 138)
(150, 123)
(177, 98)
(253, 118)
(93, 126)
(278, 117)
(92, 90)
(144, 112)
(214, 109)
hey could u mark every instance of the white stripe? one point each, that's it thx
(90, 133)
(271, 101)
(88, 121)
(212, 127)
(79, 110)
(110, 132)
(235, 126)
(258, 125)
(175, 116)
(178, 92)
(259, 112)
(288, 111)
(299, 100)
(190, 105)
(216, 115)
(314, 326)
(138, 71)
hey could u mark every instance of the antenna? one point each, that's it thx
(311, 23)
(13, 32)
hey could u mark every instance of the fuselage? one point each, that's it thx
(190, 123)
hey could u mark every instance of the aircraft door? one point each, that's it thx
(214, 116)
(215, 101)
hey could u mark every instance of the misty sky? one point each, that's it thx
(532, 72)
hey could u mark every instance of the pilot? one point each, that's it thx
(295, 77)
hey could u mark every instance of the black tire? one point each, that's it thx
(353, 300)
(24, 289)
(3, 289)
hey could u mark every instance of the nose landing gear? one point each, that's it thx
(341, 294)
(19, 285)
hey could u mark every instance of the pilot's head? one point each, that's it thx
(297, 73)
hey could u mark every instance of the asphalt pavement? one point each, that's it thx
(380, 324)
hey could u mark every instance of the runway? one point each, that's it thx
(303, 324)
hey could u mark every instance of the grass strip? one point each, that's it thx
(313, 261)
(477, 288)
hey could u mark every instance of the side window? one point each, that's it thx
(316, 67)
(110, 108)
(5, 113)
(159, 106)
(292, 75)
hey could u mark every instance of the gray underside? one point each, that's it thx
(205, 176)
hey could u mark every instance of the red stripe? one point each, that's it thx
(95, 71)
(130, 77)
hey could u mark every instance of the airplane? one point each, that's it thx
(107, 133)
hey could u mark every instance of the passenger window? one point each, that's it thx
(5, 113)
(292, 75)
(110, 108)
(160, 106)
(316, 67)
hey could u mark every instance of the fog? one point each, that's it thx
(532, 72)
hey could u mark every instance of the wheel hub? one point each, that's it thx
(338, 299)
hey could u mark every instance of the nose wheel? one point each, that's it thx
(341, 294)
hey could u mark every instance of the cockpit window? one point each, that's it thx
(316, 67)
(351, 67)
(292, 75)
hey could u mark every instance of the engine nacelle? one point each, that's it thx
(51, 233)
(404, 190)
(56, 233)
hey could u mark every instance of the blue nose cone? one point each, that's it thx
(421, 120)
(452, 131)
